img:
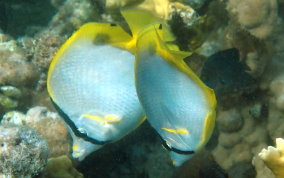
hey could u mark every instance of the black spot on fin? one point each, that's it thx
(101, 39)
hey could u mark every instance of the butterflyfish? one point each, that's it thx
(177, 104)
(91, 83)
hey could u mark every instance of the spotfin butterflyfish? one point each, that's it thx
(91, 83)
(177, 104)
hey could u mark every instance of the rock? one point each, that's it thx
(256, 16)
(60, 167)
(23, 151)
(48, 124)
(242, 170)
(230, 121)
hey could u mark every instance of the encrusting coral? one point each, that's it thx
(161, 8)
(9, 97)
(251, 26)
(15, 69)
(48, 124)
(277, 89)
(60, 167)
(262, 170)
(259, 17)
(23, 152)
(273, 157)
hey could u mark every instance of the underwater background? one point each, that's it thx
(238, 50)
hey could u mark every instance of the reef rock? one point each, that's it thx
(60, 167)
(259, 17)
(48, 124)
(23, 152)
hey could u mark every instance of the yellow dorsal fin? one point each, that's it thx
(138, 19)
(94, 33)
(103, 33)
(176, 131)
(151, 39)
(157, 36)
(100, 33)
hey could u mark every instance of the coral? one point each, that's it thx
(261, 170)
(240, 146)
(230, 121)
(161, 8)
(71, 15)
(57, 3)
(114, 4)
(247, 123)
(242, 170)
(17, 75)
(9, 96)
(60, 167)
(194, 3)
(277, 89)
(48, 124)
(11, 91)
(15, 69)
(158, 7)
(23, 152)
(256, 16)
(274, 158)
(7, 103)
(257, 111)
(275, 125)
(186, 25)
(7, 42)
(47, 44)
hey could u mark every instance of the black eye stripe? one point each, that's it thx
(174, 149)
(182, 152)
(73, 127)
(113, 24)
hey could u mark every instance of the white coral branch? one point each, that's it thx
(274, 158)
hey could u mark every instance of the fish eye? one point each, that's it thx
(165, 145)
(82, 131)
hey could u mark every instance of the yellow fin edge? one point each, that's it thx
(208, 128)
(117, 37)
(176, 58)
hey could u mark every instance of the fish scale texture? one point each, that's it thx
(97, 80)
(171, 100)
